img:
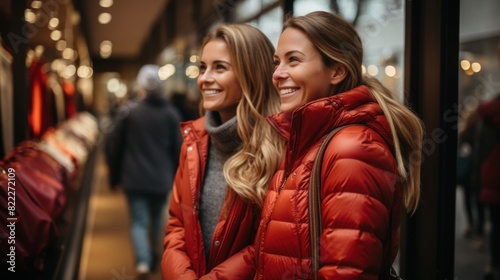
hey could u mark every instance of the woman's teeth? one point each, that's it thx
(212, 91)
(288, 90)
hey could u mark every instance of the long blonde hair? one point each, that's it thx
(250, 170)
(338, 42)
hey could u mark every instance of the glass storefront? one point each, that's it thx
(478, 74)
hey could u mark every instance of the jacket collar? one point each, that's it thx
(194, 130)
(312, 121)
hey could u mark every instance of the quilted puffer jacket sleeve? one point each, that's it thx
(175, 263)
(359, 181)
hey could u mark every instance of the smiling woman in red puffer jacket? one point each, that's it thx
(369, 171)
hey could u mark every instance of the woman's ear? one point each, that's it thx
(339, 72)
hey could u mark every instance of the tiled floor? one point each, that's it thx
(107, 252)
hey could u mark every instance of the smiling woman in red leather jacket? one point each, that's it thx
(227, 159)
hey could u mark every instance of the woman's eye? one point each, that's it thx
(276, 63)
(202, 68)
(220, 67)
(293, 59)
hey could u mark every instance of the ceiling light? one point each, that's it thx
(61, 45)
(166, 71)
(194, 58)
(104, 18)
(55, 35)
(122, 91)
(53, 23)
(192, 71)
(106, 49)
(465, 64)
(36, 4)
(39, 50)
(476, 67)
(69, 71)
(390, 71)
(106, 46)
(84, 71)
(58, 65)
(68, 54)
(106, 3)
(113, 85)
(29, 16)
(372, 70)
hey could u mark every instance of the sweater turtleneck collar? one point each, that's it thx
(224, 137)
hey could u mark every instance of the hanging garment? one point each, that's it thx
(69, 98)
(58, 96)
(35, 230)
(6, 102)
(41, 107)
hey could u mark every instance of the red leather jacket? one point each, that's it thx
(359, 188)
(184, 255)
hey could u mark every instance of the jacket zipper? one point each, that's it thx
(285, 178)
(287, 173)
(288, 167)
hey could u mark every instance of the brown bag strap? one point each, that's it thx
(315, 226)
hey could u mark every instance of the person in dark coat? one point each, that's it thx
(142, 152)
(474, 209)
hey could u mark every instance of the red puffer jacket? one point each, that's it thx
(359, 188)
(184, 255)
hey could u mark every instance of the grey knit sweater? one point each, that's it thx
(224, 142)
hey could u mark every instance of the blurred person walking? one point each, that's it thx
(142, 153)
(467, 178)
(487, 166)
(227, 159)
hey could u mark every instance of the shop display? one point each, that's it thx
(36, 178)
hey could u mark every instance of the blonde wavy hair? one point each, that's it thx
(338, 42)
(249, 171)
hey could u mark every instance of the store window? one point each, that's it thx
(267, 15)
(270, 24)
(381, 27)
(476, 216)
(247, 8)
(302, 7)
